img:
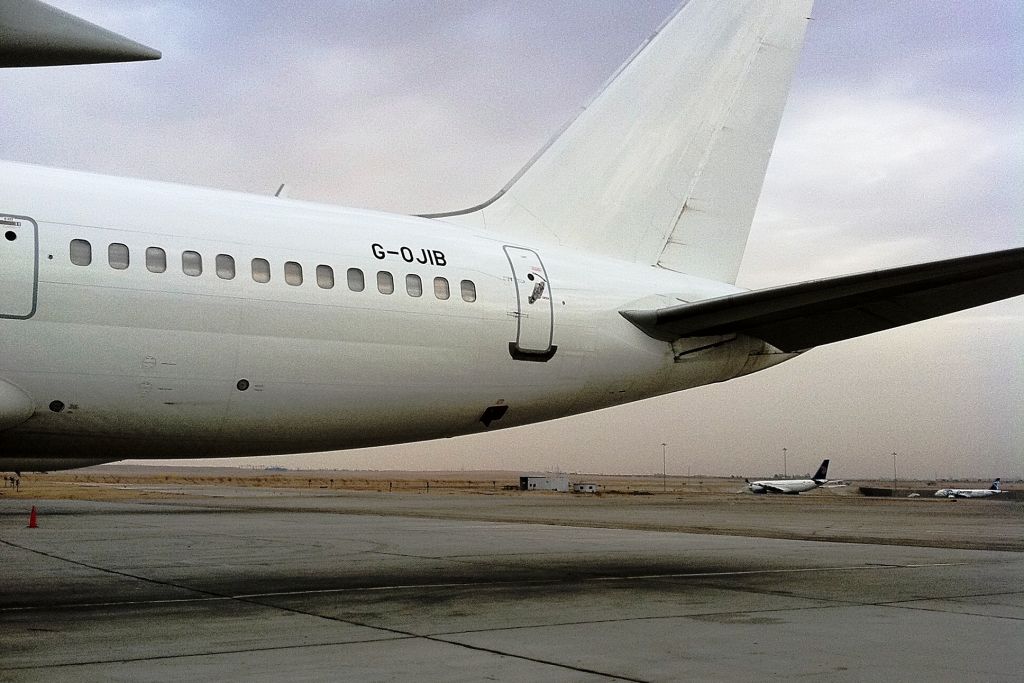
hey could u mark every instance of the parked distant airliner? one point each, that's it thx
(150, 320)
(791, 486)
(970, 493)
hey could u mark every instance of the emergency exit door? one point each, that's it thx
(18, 269)
(535, 312)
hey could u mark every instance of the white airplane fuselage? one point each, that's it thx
(102, 362)
(783, 485)
(150, 320)
(966, 493)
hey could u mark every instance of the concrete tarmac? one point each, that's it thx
(265, 588)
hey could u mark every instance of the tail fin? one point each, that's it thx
(666, 164)
(822, 472)
(995, 485)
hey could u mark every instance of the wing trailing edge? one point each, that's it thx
(808, 314)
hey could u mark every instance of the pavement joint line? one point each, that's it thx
(961, 597)
(454, 643)
(946, 611)
(124, 603)
(583, 579)
(862, 567)
(409, 634)
(106, 570)
(210, 653)
(580, 669)
(252, 601)
(396, 587)
(469, 557)
(208, 596)
(401, 634)
(835, 604)
(212, 595)
(658, 617)
(908, 604)
(218, 504)
(449, 639)
(444, 637)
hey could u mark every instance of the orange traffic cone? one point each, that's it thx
(32, 519)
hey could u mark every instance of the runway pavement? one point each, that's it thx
(267, 589)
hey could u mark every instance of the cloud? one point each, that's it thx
(860, 182)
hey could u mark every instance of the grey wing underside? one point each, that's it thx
(801, 316)
(33, 33)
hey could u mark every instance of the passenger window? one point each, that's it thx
(293, 273)
(385, 282)
(260, 270)
(441, 289)
(225, 267)
(156, 260)
(81, 252)
(191, 263)
(468, 291)
(117, 256)
(325, 277)
(414, 285)
(355, 280)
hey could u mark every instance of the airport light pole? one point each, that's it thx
(784, 469)
(894, 474)
(664, 468)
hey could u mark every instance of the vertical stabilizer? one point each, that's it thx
(822, 472)
(666, 164)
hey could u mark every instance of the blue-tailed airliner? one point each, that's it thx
(992, 490)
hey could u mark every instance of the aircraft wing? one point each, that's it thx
(807, 314)
(33, 33)
(774, 489)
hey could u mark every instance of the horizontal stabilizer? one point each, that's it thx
(33, 33)
(807, 314)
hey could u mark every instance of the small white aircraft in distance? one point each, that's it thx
(150, 320)
(791, 486)
(992, 490)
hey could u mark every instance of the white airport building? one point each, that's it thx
(548, 482)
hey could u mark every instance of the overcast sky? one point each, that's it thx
(902, 142)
